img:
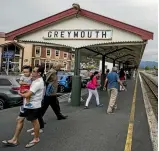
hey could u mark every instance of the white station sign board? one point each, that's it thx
(78, 34)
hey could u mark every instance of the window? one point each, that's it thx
(16, 59)
(17, 52)
(48, 52)
(57, 53)
(65, 65)
(36, 62)
(65, 55)
(5, 82)
(73, 56)
(37, 51)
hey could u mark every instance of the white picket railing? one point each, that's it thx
(67, 97)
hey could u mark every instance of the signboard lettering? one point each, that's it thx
(8, 54)
(78, 34)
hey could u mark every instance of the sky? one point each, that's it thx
(141, 13)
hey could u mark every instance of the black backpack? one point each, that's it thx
(44, 79)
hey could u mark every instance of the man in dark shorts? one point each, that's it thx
(31, 112)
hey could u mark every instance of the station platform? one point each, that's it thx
(87, 130)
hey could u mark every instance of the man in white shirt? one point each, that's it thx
(32, 111)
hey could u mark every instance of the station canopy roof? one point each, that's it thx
(93, 34)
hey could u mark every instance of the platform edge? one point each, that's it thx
(152, 122)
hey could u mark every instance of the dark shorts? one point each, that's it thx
(30, 114)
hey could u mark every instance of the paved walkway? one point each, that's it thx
(86, 130)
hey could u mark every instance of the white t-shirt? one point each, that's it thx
(26, 79)
(37, 88)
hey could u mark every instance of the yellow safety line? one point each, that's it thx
(128, 144)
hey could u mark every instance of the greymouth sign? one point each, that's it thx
(77, 34)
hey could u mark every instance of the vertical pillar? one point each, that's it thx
(76, 81)
(45, 67)
(123, 66)
(119, 65)
(127, 65)
(103, 72)
(113, 63)
(7, 71)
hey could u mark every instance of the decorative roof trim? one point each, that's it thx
(12, 42)
(145, 35)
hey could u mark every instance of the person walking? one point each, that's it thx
(122, 77)
(92, 89)
(25, 82)
(112, 80)
(31, 112)
(134, 74)
(50, 97)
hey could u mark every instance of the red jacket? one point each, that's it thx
(94, 81)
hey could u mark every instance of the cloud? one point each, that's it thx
(150, 54)
(140, 13)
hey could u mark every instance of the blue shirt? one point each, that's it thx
(113, 78)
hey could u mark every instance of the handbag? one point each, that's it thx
(49, 89)
(90, 85)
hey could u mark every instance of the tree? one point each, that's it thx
(89, 63)
(155, 68)
(91, 67)
(147, 68)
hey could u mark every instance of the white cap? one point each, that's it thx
(114, 69)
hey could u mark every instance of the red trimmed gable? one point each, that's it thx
(39, 24)
(145, 35)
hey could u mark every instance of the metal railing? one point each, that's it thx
(67, 97)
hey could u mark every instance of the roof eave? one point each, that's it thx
(39, 24)
(14, 43)
(146, 35)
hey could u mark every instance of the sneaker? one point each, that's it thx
(100, 105)
(62, 117)
(115, 107)
(111, 112)
(30, 130)
(29, 105)
(40, 131)
(86, 107)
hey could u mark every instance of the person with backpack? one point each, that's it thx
(92, 89)
(50, 98)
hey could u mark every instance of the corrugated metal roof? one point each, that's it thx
(114, 42)
(85, 54)
(95, 44)
(45, 43)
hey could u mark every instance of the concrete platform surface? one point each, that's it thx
(85, 130)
